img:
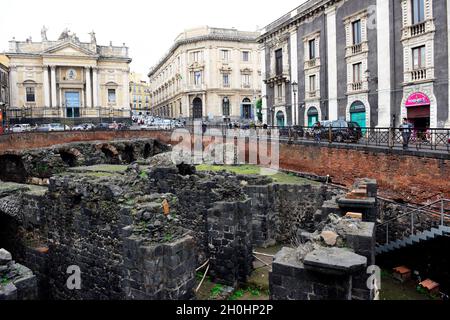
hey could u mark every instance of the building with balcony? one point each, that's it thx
(140, 95)
(67, 80)
(208, 74)
(369, 61)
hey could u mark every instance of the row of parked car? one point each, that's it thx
(55, 127)
(341, 131)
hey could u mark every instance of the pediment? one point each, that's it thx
(70, 49)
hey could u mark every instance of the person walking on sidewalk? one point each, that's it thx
(406, 129)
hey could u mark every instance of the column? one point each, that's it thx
(46, 84)
(384, 64)
(53, 76)
(294, 74)
(14, 103)
(126, 92)
(95, 86)
(262, 51)
(88, 88)
(332, 64)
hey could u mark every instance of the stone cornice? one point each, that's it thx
(207, 37)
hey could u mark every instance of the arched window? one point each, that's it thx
(197, 105)
(313, 116)
(246, 109)
(358, 113)
(280, 119)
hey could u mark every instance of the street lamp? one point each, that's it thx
(295, 90)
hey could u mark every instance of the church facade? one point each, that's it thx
(68, 80)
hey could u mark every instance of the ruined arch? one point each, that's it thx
(12, 168)
(111, 154)
(70, 157)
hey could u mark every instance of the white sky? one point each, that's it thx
(147, 27)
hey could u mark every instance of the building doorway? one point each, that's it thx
(418, 114)
(358, 114)
(197, 105)
(313, 116)
(72, 104)
(246, 109)
(280, 119)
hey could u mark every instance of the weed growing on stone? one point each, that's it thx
(215, 292)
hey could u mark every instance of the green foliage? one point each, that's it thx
(4, 281)
(237, 294)
(168, 237)
(254, 292)
(41, 168)
(216, 290)
(143, 175)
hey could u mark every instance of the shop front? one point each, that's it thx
(418, 110)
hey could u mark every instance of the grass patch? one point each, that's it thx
(280, 177)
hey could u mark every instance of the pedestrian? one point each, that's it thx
(405, 129)
(317, 131)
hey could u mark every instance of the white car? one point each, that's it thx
(18, 128)
(84, 127)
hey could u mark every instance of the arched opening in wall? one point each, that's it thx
(12, 169)
(147, 151)
(197, 106)
(186, 169)
(280, 119)
(9, 235)
(358, 114)
(128, 154)
(246, 109)
(313, 116)
(68, 158)
(111, 154)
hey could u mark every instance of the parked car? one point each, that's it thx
(84, 127)
(52, 127)
(341, 131)
(18, 128)
(102, 126)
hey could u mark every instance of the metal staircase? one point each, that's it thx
(433, 220)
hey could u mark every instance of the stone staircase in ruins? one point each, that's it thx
(433, 221)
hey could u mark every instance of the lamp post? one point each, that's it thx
(295, 90)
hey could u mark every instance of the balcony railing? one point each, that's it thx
(357, 86)
(419, 74)
(357, 48)
(311, 63)
(417, 29)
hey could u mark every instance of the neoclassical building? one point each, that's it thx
(68, 80)
(209, 73)
(369, 61)
(4, 89)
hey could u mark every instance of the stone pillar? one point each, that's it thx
(332, 64)
(13, 86)
(294, 74)
(264, 86)
(384, 64)
(53, 76)
(46, 86)
(126, 92)
(95, 86)
(88, 88)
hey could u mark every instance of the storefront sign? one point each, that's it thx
(417, 99)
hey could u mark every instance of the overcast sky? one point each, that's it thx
(147, 27)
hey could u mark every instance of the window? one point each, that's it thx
(312, 49)
(280, 92)
(197, 78)
(111, 95)
(279, 61)
(226, 107)
(30, 94)
(419, 58)
(357, 72)
(418, 11)
(246, 80)
(245, 56)
(312, 83)
(226, 80)
(356, 26)
(195, 56)
(225, 55)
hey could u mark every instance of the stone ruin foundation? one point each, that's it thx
(140, 230)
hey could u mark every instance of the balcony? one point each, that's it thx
(312, 94)
(417, 29)
(356, 87)
(246, 85)
(357, 48)
(418, 74)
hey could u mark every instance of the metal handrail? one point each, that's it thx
(414, 211)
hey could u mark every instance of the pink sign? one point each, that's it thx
(417, 99)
